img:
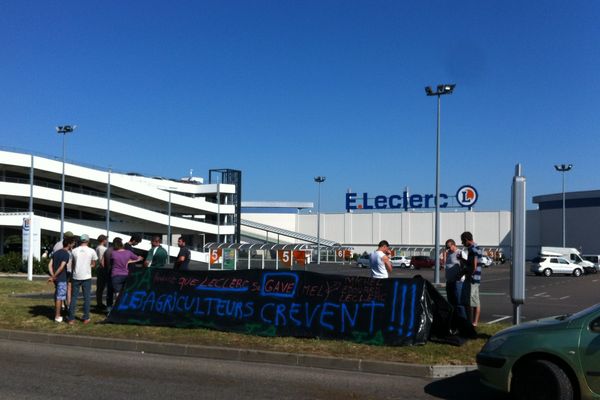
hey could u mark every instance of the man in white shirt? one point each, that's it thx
(381, 265)
(84, 259)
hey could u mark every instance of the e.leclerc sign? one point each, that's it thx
(466, 196)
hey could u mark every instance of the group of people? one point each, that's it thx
(72, 261)
(463, 274)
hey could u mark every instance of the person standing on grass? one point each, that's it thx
(102, 272)
(84, 259)
(473, 273)
(455, 280)
(135, 239)
(58, 275)
(120, 260)
(157, 255)
(381, 267)
(69, 268)
(183, 258)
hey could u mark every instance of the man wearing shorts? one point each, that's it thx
(58, 274)
(473, 265)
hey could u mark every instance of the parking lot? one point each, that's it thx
(545, 296)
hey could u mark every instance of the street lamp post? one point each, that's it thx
(169, 190)
(319, 180)
(563, 168)
(441, 90)
(63, 130)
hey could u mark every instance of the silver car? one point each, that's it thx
(400, 261)
(548, 265)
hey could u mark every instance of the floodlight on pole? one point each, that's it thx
(442, 89)
(563, 168)
(319, 180)
(63, 130)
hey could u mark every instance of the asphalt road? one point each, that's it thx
(41, 371)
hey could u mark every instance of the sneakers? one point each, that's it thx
(86, 321)
(71, 322)
(58, 319)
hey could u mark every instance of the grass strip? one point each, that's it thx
(37, 314)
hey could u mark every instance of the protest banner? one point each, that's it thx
(284, 303)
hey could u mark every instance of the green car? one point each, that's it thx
(551, 358)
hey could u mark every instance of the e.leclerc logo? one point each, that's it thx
(466, 196)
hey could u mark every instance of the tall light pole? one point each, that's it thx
(108, 204)
(441, 90)
(63, 130)
(563, 168)
(319, 180)
(169, 189)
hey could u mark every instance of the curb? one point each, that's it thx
(244, 355)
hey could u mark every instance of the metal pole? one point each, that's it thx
(169, 230)
(62, 196)
(319, 225)
(563, 210)
(108, 205)
(436, 274)
(218, 213)
(31, 187)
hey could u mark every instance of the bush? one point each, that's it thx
(12, 263)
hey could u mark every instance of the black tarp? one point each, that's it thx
(287, 303)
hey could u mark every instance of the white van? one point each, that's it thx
(570, 253)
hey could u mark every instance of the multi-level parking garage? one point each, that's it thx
(106, 202)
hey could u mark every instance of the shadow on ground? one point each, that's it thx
(463, 386)
(42, 311)
(48, 311)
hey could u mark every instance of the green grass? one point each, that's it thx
(36, 314)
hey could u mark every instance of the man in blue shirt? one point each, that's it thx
(473, 267)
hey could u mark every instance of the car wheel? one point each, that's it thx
(547, 272)
(577, 272)
(412, 266)
(402, 265)
(541, 379)
(360, 265)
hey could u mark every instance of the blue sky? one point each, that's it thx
(287, 90)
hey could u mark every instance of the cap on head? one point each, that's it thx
(68, 234)
(84, 238)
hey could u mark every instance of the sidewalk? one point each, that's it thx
(245, 355)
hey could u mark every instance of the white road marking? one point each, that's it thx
(499, 319)
(539, 294)
(564, 297)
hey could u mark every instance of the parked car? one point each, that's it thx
(486, 261)
(419, 262)
(548, 265)
(400, 261)
(364, 261)
(594, 259)
(551, 358)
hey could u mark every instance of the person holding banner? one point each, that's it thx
(381, 266)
